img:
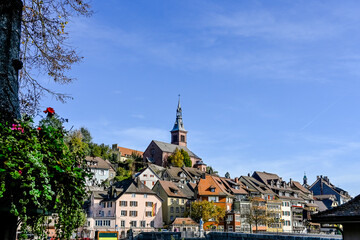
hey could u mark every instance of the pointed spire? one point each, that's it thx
(179, 107)
(304, 179)
(178, 126)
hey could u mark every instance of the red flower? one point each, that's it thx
(39, 128)
(50, 111)
(20, 172)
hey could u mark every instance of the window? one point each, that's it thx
(98, 223)
(142, 224)
(177, 209)
(133, 223)
(148, 204)
(151, 176)
(133, 195)
(148, 213)
(109, 213)
(144, 182)
(145, 195)
(182, 138)
(109, 204)
(171, 209)
(133, 203)
(230, 218)
(145, 175)
(152, 224)
(174, 138)
(106, 222)
(172, 200)
(212, 189)
(123, 203)
(171, 218)
(182, 209)
(133, 214)
(153, 183)
(123, 213)
(214, 199)
(182, 201)
(122, 223)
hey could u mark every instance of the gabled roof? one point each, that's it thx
(348, 212)
(184, 221)
(132, 186)
(300, 187)
(98, 163)
(127, 151)
(324, 180)
(265, 176)
(158, 170)
(170, 148)
(255, 185)
(172, 189)
(231, 186)
(214, 182)
(99, 194)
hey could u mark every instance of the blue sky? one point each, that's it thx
(265, 85)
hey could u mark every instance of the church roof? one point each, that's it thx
(170, 148)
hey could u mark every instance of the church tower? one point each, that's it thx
(178, 133)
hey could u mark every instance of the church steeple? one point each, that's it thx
(305, 180)
(178, 133)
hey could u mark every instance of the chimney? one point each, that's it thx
(248, 174)
(236, 180)
(317, 177)
(290, 181)
(326, 179)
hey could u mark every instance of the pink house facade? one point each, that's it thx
(126, 205)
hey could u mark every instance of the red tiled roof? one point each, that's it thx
(184, 221)
(204, 186)
(127, 151)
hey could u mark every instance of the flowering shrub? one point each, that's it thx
(40, 176)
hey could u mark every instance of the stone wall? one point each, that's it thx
(245, 236)
(232, 236)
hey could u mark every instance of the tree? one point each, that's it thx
(86, 135)
(45, 49)
(257, 214)
(206, 210)
(187, 160)
(122, 174)
(210, 170)
(176, 159)
(40, 175)
(38, 172)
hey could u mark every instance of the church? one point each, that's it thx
(157, 152)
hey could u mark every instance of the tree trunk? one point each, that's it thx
(8, 225)
(10, 28)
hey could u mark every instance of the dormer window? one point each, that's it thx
(212, 189)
